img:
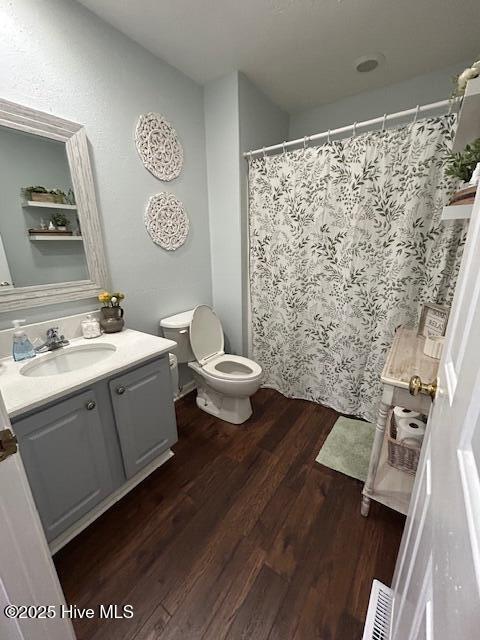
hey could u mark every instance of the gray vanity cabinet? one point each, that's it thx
(65, 457)
(80, 450)
(144, 414)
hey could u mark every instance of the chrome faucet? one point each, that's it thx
(53, 341)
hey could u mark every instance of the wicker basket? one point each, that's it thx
(400, 455)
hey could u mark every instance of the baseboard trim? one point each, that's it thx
(65, 537)
(186, 389)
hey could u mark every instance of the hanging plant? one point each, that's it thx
(462, 80)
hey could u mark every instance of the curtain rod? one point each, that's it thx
(353, 127)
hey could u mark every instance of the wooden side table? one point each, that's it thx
(385, 484)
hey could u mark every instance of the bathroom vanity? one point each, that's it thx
(92, 420)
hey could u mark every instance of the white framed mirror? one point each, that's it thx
(51, 247)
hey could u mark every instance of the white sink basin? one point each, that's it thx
(67, 359)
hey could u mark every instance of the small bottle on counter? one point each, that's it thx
(22, 347)
(90, 327)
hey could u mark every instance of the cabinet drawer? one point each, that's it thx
(144, 413)
(65, 457)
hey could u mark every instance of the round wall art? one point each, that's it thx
(158, 146)
(166, 221)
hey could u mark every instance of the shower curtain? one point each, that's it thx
(346, 243)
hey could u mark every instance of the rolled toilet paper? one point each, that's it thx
(413, 442)
(399, 413)
(433, 346)
(410, 428)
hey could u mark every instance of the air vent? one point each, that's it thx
(379, 614)
(369, 62)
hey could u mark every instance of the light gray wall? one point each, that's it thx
(238, 117)
(222, 148)
(262, 123)
(59, 58)
(423, 89)
(28, 160)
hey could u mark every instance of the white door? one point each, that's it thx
(27, 573)
(5, 275)
(437, 576)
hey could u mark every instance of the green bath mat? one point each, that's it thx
(347, 447)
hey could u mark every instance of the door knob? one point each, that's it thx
(416, 386)
(120, 390)
(91, 405)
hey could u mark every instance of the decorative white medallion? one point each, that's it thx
(158, 146)
(166, 221)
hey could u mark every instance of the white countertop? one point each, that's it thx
(22, 393)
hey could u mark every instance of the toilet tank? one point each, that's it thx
(177, 328)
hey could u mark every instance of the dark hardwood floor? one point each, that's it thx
(240, 535)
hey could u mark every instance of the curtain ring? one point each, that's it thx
(328, 136)
(384, 121)
(283, 147)
(305, 142)
(416, 113)
(264, 155)
(453, 102)
(354, 129)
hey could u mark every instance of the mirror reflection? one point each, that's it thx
(40, 233)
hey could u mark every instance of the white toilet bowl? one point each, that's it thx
(224, 382)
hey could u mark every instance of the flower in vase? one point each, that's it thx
(117, 297)
(104, 297)
(111, 299)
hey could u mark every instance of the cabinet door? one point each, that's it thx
(144, 412)
(65, 457)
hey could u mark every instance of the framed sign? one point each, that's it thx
(433, 320)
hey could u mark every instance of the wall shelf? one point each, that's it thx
(457, 212)
(49, 205)
(44, 236)
(468, 128)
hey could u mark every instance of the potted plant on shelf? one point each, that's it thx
(41, 194)
(60, 220)
(37, 194)
(59, 196)
(463, 166)
(111, 319)
(70, 197)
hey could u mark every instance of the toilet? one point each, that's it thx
(224, 382)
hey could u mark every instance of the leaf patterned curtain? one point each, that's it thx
(346, 243)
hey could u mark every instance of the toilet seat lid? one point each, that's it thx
(206, 334)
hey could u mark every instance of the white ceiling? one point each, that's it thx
(300, 52)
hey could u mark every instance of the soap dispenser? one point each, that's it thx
(22, 347)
